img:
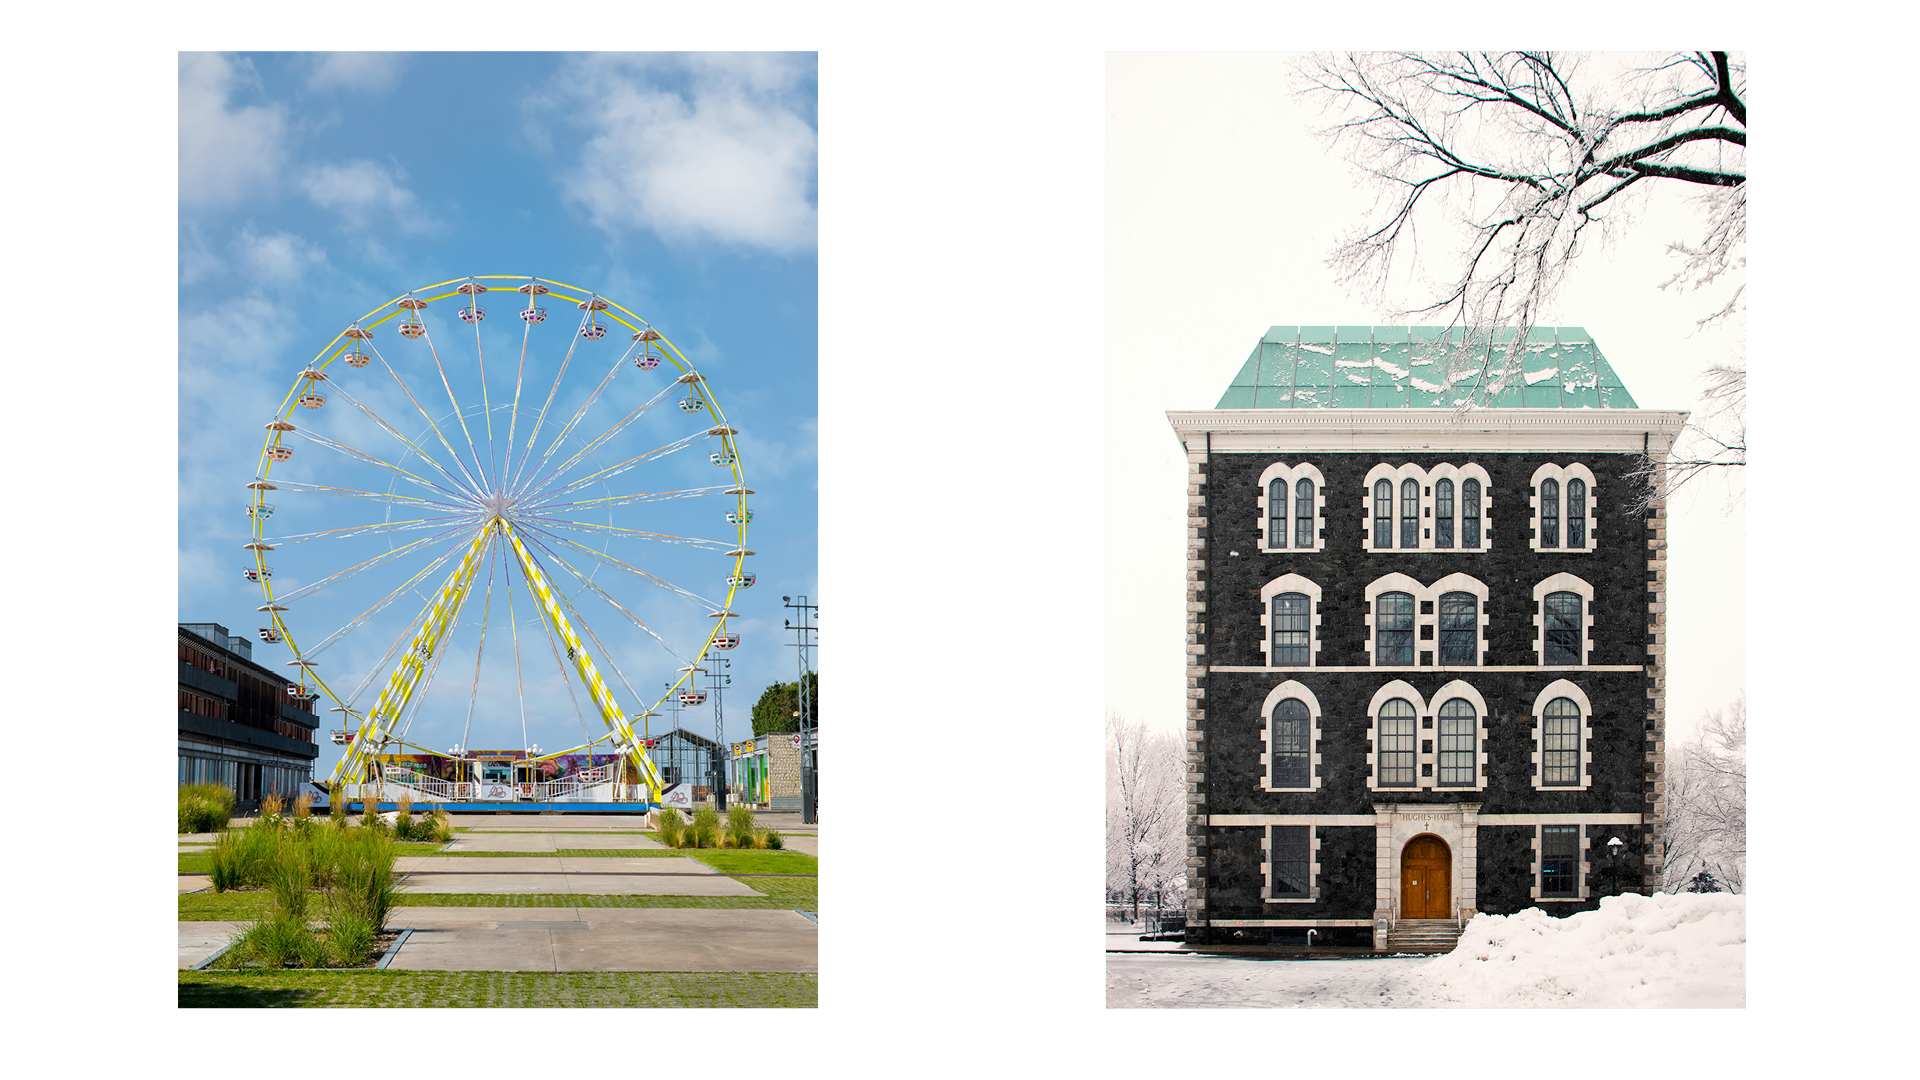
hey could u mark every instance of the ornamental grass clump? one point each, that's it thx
(205, 807)
(403, 819)
(241, 857)
(364, 883)
(705, 832)
(439, 825)
(355, 867)
(670, 826)
(740, 827)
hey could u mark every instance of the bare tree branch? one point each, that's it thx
(1517, 155)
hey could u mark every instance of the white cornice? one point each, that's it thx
(1513, 430)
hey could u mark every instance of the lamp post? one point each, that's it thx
(803, 631)
(1613, 861)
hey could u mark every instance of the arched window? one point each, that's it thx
(1457, 723)
(1393, 629)
(1290, 746)
(1443, 513)
(1396, 744)
(1277, 514)
(1383, 514)
(1410, 513)
(1564, 627)
(1292, 637)
(1549, 513)
(1576, 513)
(1460, 628)
(1560, 744)
(1303, 516)
(1470, 513)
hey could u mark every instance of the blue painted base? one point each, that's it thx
(357, 807)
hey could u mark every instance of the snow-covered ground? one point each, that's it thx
(1661, 951)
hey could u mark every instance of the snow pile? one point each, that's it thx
(1660, 951)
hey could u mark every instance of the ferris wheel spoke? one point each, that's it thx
(566, 676)
(616, 530)
(588, 627)
(375, 529)
(341, 389)
(611, 602)
(541, 421)
(609, 501)
(580, 413)
(458, 413)
(519, 380)
(409, 501)
(652, 579)
(404, 474)
(486, 400)
(473, 486)
(628, 465)
(382, 604)
(361, 567)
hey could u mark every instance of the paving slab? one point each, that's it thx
(608, 939)
(805, 845)
(199, 940)
(194, 882)
(597, 876)
(552, 842)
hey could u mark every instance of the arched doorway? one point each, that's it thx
(1426, 869)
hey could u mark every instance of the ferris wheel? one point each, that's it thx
(499, 527)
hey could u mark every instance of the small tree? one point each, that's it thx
(1146, 813)
(1707, 804)
(775, 710)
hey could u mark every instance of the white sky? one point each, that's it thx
(1222, 208)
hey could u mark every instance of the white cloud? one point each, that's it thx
(361, 189)
(726, 155)
(366, 72)
(277, 256)
(224, 152)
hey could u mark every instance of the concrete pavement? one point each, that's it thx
(653, 876)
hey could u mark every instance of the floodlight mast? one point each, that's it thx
(803, 631)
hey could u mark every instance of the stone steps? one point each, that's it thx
(1424, 936)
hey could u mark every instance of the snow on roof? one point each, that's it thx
(1361, 367)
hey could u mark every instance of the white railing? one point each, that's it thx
(402, 782)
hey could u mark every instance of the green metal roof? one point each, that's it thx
(1407, 367)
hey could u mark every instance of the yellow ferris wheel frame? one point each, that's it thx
(376, 726)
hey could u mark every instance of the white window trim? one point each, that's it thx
(1563, 473)
(1287, 583)
(1398, 582)
(1460, 688)
(1290, 689)
(1457, 474)
(1562, 688)
(1582, 872)
(1313, 868)
(1292, 474)
(1425, 479)
(1398, 688)
(1562, 582)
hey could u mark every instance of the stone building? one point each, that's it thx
(1425, 646)
(239, 724)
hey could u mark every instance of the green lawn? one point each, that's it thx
(496, 989)
(776, 894)
(729, 861)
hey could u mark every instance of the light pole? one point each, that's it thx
(1613, 858)
(717, 678)
(803, 631)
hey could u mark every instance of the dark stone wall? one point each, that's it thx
(1615, 565)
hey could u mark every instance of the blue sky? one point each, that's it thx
(316, 187)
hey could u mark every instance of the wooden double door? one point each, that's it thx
(1426, 871)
